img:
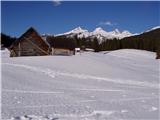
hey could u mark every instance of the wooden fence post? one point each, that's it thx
(19, 49)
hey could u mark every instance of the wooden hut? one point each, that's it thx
(29, 44)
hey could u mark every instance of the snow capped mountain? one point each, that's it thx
(112, 34)
(101, 34)
(98, 33)
(99, 30)
(115, 32)
(126, 33)
(77, 31)
(157, 27)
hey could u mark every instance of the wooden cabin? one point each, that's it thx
(62, 51)
(29, 44)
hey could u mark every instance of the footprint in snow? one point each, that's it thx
(124, 111)
(153, 109)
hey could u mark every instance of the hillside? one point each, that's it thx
(121, 84)
(149, 40)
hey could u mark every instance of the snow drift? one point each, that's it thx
(121, 84)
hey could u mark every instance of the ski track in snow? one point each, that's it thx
(85, 101)
(49, 92)
(32, 92)
(53, 74)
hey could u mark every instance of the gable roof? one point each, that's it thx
(28, 32)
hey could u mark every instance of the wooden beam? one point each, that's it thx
(36, 46)
(52, 51)
(19, 49)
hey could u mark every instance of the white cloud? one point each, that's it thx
(107, 23)
(56, 2)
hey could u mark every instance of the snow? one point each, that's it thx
(5, 53)
(78, 30)
(154, 28)
(112, 34)
(157, 27)
(151, 29)
(115, 85)
(153, 108)
(77, 49)
(99, 30)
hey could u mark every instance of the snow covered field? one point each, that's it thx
(117, 85)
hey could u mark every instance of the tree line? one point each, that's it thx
(61, 42)
(6, 40)
(147, 41)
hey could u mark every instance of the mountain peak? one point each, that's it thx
(100, 31)
(75, 31)
(78, 30)
(126, 32)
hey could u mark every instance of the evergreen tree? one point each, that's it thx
(7, 40)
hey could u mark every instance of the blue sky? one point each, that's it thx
(54, 18)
